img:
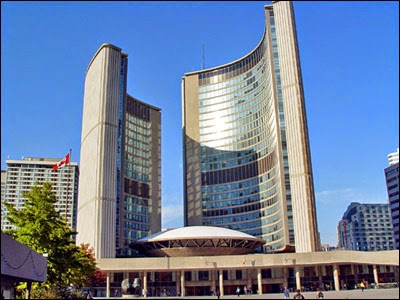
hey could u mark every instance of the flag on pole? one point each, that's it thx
(62, 163)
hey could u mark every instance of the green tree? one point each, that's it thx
(40, 227)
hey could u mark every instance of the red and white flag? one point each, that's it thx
(62, 163)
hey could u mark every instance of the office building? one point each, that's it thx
(366, 227)
(120, 179)
(22, 175)
(393, 157)
(247, 163)
(392, 186)
(3, 184)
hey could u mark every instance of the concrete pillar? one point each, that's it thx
(221, 282)
(182, 283)
(376, 277)
(213, 285)
(178, 282)
(319, 273)
(336, 277)
(297, 271)
(108, 285)
(145, 284)
(354, 270)
(259, 281)
(249, 278)
(285, 276)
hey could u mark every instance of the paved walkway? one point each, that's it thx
(348, 294)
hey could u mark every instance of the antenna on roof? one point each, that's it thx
(203, 66)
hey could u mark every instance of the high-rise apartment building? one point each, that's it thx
(393, 157)
(392, 186)
(247, 163)
(120, 179)
(3, 184)
(22, 175)
(366, 227)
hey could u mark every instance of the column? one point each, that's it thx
(221, 282)
(145, 284)
(108, 285)
(354, 270)
(320, 281)
(298, 279)
(249, 279)
(259, 281)
(376, 279)
(178, 283)
(336, 277)
(182, 283)
(213, 285)
(285, 277)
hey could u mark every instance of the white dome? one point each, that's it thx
(199, 232)
(197, 240)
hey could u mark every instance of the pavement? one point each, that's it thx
(392, 293)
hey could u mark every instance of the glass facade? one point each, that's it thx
(135, 207)
(240, 177)
(246, 149)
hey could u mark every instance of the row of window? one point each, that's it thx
(258, 90)
(239, 185)
(235, 69)
(256, 123)
(229, 87)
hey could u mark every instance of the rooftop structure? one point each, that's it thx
(198, 240)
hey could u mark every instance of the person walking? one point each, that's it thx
(362, 286)
(319, 294)
(298, 295)
(286, 293)
(238, 291)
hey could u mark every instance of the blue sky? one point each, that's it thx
(349, 54)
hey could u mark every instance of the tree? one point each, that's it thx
(40, 227)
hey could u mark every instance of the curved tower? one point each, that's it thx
(247, 162)
(120, 176)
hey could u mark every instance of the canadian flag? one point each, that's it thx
(62, 163)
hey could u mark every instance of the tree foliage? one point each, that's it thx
(40, 227)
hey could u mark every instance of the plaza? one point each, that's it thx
(391, 293)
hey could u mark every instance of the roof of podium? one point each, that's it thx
(197, 240)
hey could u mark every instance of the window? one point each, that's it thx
(238, 274)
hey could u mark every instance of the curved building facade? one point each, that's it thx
(120, 179)
(247, 162)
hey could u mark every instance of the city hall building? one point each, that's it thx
(201, 260)
(247, 163)
(249, 204)
(120, 181)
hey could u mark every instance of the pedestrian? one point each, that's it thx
(286, 293)
(245, 290)
(362, 286)
(218, 293)
(249, 290)
(238, 291)
(319, 295)
(298, 295)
